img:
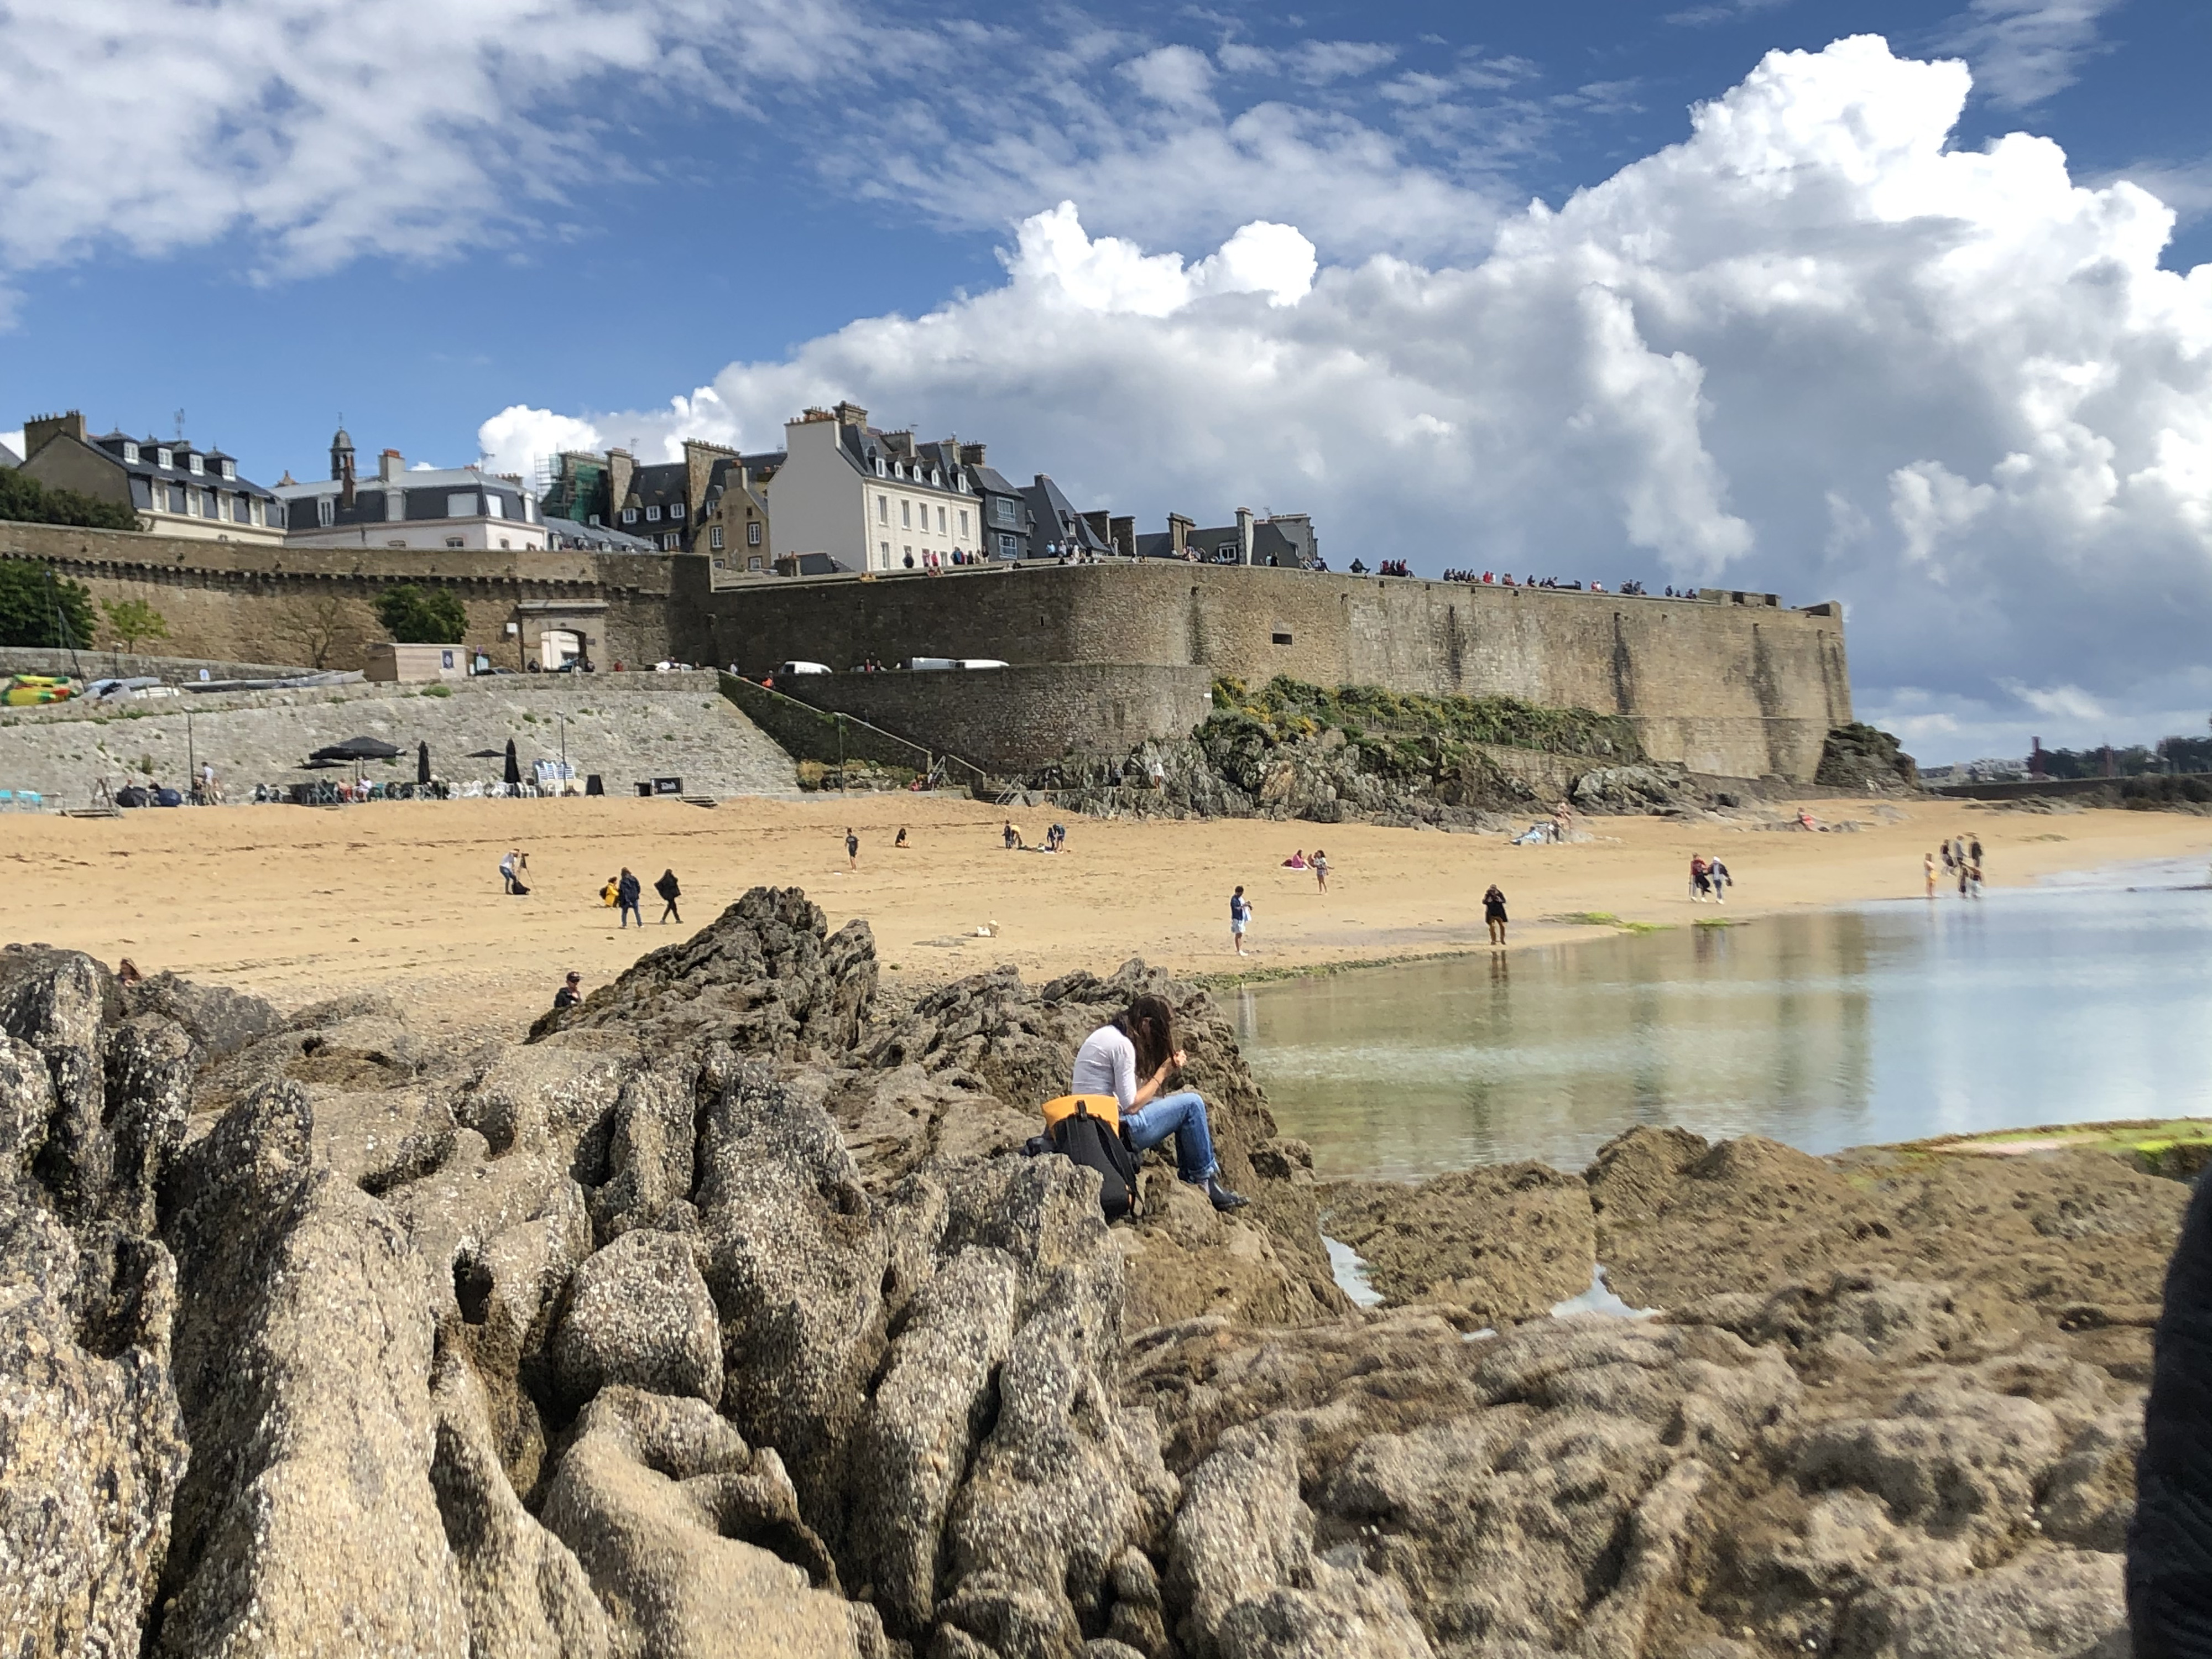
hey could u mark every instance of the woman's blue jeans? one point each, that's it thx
(1183, 1116)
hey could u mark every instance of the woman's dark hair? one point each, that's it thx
(1149, 1023)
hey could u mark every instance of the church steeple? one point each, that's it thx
(342, 462)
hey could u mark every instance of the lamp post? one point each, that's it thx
(564, 754)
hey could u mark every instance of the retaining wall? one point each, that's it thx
(626, 727)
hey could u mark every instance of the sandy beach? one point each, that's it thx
(302, 904)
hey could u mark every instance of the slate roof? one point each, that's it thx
(180, 454)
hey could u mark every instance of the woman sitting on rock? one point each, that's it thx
(1140, 1042)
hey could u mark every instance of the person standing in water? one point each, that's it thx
(1493, 911)
(1240, 914)
(1140, 1043)
(1928, 871)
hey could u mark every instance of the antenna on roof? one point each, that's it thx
(180, 426)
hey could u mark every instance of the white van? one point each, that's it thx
(920, 665)
(784, 668)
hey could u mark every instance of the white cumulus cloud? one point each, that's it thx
(1812, 348)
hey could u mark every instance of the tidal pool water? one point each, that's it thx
(2082, 999)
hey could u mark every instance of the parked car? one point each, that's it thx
(789, 668)
(922, 665)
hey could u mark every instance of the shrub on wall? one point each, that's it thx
(418, 616)
(40, 607)
(1401, 729)
(26, 501)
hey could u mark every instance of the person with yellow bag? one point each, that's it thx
(1110, 1116)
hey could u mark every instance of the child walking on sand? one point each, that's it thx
(1321, 868)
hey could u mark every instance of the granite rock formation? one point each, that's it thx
(726, 1315)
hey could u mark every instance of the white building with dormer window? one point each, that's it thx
(461, 507)
(874, 501)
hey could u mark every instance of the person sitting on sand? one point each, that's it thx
(610, 894)
(1297, 860)
(1140, 1043)
(126, 972)
(1806, 821)
(901, 842)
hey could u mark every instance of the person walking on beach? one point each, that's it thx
(1718, 874)
(1240, 914)
(1321, 868)
(669, 892)
(626, 895)
(852, 848)
(1493, 911)
(1928, 871)
(1974, 853)
(1700, 884)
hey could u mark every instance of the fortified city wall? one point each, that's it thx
(236, 602)
(1108, 655)
(1735, 685)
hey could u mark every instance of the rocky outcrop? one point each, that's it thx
(1506, 1241)
(728, 1317)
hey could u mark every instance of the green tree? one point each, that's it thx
(26, 501)
(40, 607)
(416, 616)
(130, 621)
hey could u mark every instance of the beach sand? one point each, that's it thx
(300, 903)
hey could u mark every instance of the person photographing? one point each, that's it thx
(1134, 1058)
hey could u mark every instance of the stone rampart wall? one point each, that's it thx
(1011, 718)
(1736, 687)
(237, 602)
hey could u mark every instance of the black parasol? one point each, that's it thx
(513, 766)
(356, 749)
(421, 762)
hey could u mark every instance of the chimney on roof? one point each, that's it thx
(1244, 535)
(1121, 534)
(41, 428)
(621, 468)
(971, 454)
(390, 466)
(1179, 529)
(851, 414)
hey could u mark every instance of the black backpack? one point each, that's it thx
(1097, 1144)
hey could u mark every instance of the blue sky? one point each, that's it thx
(424, 214)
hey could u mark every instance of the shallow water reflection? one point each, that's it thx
(1835, 1029)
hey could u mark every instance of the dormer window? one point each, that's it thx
(629, 515)
(879, 466)
(675, 511)
(230, 469)
(195, 463)
(164, 458)
(652, 515)
(130, 451)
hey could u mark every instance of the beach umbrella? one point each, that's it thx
(421, 762)
(513, 766)
(356, 749)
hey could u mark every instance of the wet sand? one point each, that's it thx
(300, 903)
